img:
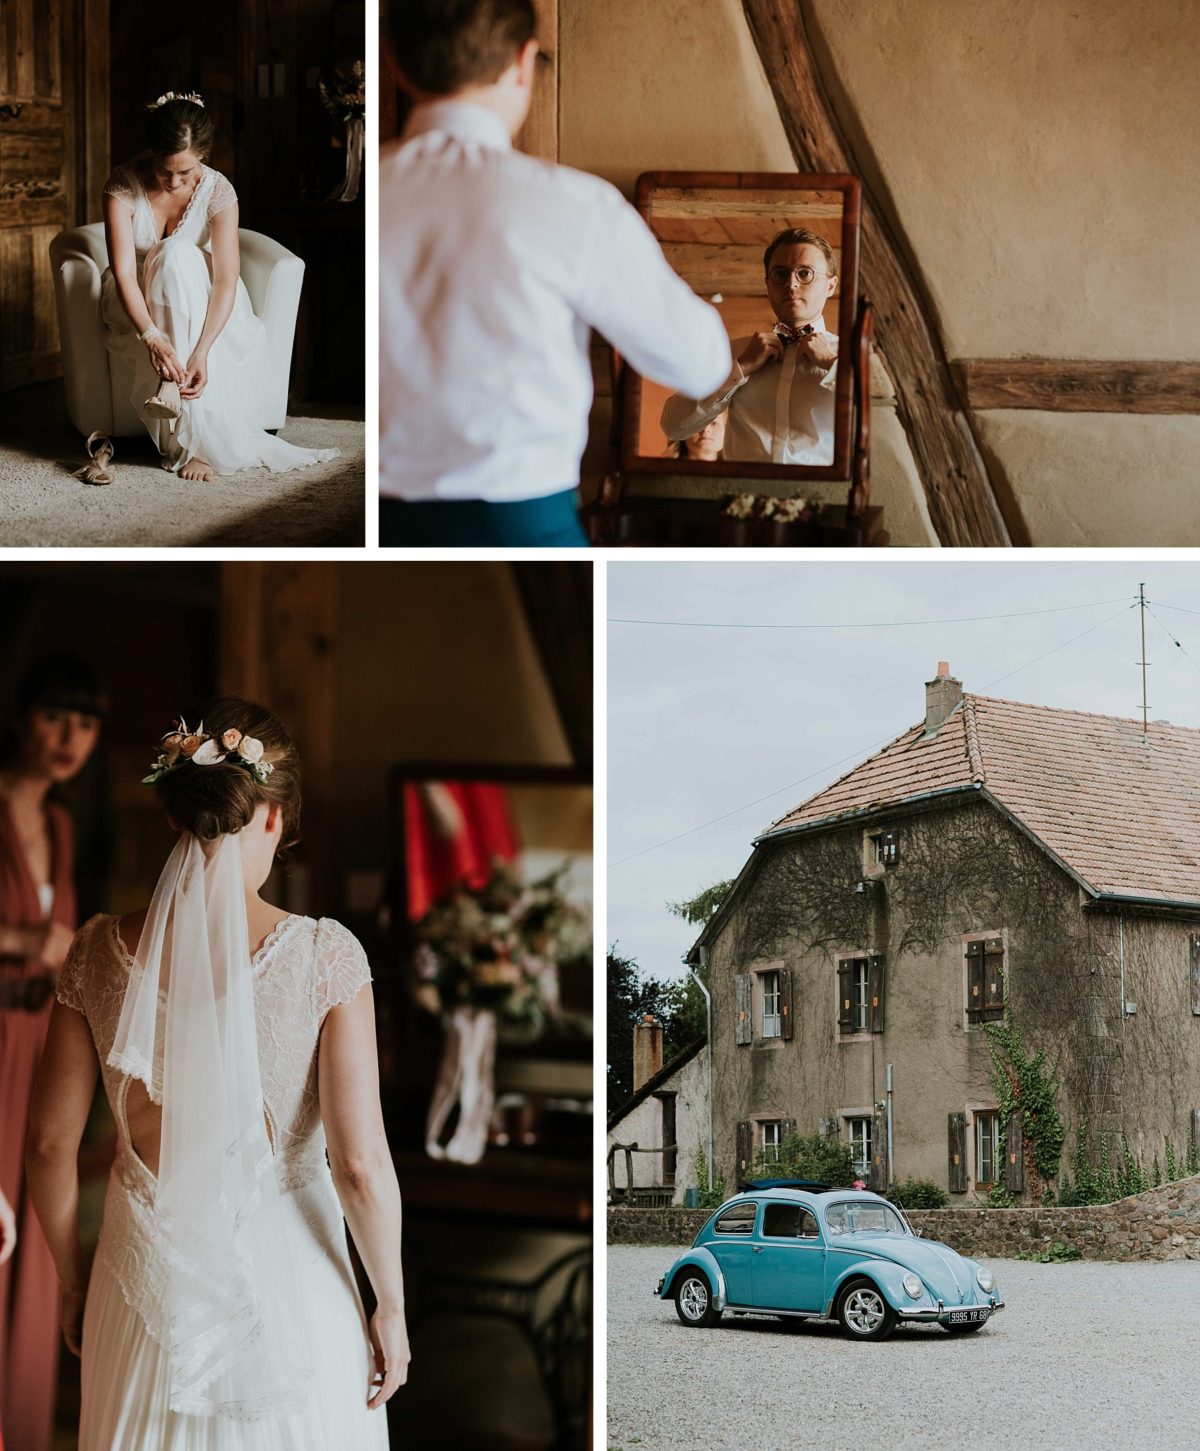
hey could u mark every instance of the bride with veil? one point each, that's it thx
(236, 1044)
(175, 308)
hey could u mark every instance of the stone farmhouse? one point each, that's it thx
(998, 862)
(654, 1136)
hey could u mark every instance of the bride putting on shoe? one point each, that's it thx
(236, 1044)
(175, 308)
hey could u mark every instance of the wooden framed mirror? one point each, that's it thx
(791, 424)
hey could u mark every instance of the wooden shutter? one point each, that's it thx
(1196, 975)
(993, 979)
(875, 981)
(891, 848)
(1196, 1125)
(743, 1000)
(879, 1158)
(745, 1149)
(787, 1129)
(974, 981)
(845, 995)
(1014, 1155)
(785, 1002)
(958, 1153)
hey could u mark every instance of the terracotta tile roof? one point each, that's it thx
(1123, 815)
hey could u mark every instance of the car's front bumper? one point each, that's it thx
(944, 1314)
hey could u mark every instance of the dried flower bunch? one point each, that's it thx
(183, 745)
(345, 95)
(500, 948)
(765, 506)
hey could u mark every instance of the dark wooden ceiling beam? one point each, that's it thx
(963, 503)
(1067, 385)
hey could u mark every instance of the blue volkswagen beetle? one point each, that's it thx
(824, 1253)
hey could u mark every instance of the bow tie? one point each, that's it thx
(787, 334)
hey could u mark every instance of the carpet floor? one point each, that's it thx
(41, 504)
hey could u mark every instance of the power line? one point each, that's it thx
(1182, 609)
(1178, 644)
(859, 753)
(862, 624)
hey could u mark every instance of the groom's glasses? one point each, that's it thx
(781, 276)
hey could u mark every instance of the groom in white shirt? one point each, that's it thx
(494, 267)
(780, 391)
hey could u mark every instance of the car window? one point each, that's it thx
(863, 1217)
(788, 1221)
(738, 1218)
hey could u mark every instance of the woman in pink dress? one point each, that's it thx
(58, 716)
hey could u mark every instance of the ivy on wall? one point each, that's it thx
(1026, 1087)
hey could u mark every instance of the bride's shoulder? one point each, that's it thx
(124, 182)
(221, 193)
(342, 969)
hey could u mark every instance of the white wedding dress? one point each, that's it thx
(303, 969)
(175, 276)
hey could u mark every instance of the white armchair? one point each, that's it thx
(98, 385)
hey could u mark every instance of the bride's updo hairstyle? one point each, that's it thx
(178, 126)
(212, 801)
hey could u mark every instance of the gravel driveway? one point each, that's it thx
(1085, 1357)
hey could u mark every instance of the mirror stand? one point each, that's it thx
(621, 519)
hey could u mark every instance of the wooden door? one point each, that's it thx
(53, 159)
(36, 184)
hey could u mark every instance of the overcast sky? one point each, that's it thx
(703, 722)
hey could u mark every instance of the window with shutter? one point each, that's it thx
(891, 848)
(859, 1130)
(770, 1137)
(987, 1149)
(957, 1168)
(743, 1024)
(768, 984)
(785, 1003)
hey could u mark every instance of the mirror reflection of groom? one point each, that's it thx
(493, 269)
(780, 391)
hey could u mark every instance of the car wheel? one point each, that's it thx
(964, 1329)
(693, 1300)
(864, 1313)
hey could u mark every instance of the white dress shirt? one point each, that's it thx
(781, 414)
(493, 269)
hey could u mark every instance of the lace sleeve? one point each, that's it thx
(342, 970)
(69, 987)
(120, 186)
(222, 196)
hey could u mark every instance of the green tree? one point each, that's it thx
(700, 909)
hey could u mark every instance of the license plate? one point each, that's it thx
(968, 1317)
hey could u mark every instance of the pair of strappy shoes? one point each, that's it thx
(166, 403)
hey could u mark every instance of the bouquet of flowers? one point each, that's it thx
(499, 949)
(344, 96)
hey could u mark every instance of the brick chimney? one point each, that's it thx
(647, 1050)
(942, 694)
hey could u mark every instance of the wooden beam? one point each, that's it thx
(1064, 385)
(963, 503)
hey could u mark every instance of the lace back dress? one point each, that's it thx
(304, 969)
(175, 275)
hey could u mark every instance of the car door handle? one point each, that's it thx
(757, 1248)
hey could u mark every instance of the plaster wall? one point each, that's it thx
(962, 870)
(644, 1127)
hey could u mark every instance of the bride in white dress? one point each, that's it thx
(175, 308)
(236, 1044)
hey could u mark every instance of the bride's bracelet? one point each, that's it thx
(151, 332)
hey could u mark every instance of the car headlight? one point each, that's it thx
(986, 1280)
(913, 1287)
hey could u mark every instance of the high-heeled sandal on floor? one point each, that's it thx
(166, 403)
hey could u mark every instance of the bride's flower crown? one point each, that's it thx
(192, 96)
(182, 745)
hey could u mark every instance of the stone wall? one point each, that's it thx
(1163, 1224)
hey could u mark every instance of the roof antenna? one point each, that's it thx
(1142, 661)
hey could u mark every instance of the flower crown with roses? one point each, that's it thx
(183, 745)
(192, 96)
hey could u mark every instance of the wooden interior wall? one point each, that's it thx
(53, 144)
(278, 626)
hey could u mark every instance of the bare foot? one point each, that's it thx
(197, 469)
